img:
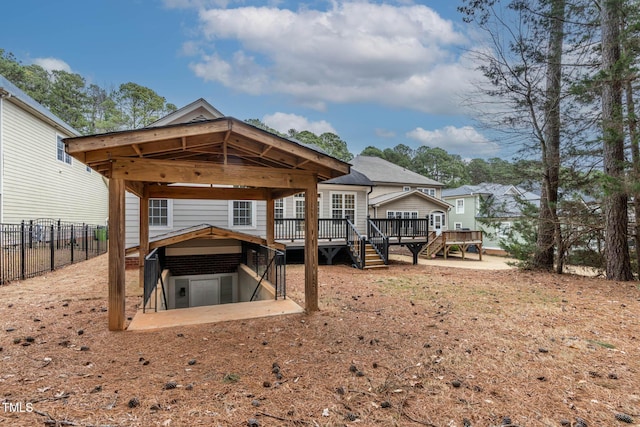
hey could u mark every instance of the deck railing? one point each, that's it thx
(337, 228)
(269, 264)
(379, 241)
(398, 228)
(357, 245)
(153, 277)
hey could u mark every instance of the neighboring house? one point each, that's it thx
(402, 194)
(469, 210)
(38, 179)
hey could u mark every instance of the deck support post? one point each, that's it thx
(144, 234)
(271, 220)
(116, 255)
(311, 248)
(415, 249)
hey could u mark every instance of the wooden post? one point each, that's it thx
(311, 249)
(144, 234)
(116, 255)
(271, 219)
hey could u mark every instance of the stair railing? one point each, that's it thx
(356, 243)
(379, 241)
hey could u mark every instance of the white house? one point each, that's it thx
(38, 179)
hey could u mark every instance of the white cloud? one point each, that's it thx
(51, 64)
(283, 122)
(462, 140)
(384, 133)
(402, 56)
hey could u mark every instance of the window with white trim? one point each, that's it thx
(278, 206)
(299, 205)
(402, 214)
(504, 229)
(457, 226)
(406, 188)
(459, 206)
(343, 205)
(159, 213)
(429, 191)
(63, 156)
(243, 214)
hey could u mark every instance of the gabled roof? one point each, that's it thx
(381, 171)
(353, 178)
(193, 152)
(392, 197)
(12, 93)
(197, 111)
(497, 190)
(202, 231)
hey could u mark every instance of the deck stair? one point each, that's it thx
(435, 245)
(372, 259)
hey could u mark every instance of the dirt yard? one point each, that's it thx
(425, 345)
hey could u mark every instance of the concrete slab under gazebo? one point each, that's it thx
(236, 160)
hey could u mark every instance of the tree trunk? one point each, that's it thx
(618, 261)
(632, 121)
(549, 231)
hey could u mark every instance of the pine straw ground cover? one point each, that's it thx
(411, 345)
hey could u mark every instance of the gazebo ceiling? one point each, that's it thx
(220, 143)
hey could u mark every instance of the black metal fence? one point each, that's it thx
(35, 247)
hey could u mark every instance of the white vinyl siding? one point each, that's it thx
(37, 185)
(189, 213)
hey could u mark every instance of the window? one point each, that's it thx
(242, 214)
(159, 213)
(457, 225)
(299, 207)
(343, 205)
(278, 208)
(504, 230)
(459, 206)
(88, 169)
(406, 188)
(402, 214)
(62, 155)
(429, 191)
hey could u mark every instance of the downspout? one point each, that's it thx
(3, 94)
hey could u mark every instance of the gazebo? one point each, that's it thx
(235, 161)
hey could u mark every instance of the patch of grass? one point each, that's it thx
(231, 378)
(601, 343)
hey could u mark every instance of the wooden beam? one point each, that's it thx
(119, 139)
(172, 171)
(285, 192)
(134, 187)
(206, 193)
(144, 233)
(288, 146)
(116, 255)
(311, 249)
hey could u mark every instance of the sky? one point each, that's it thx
(375, 73)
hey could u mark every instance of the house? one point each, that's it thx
(474, 205)
(402, 194)
(38, 179)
